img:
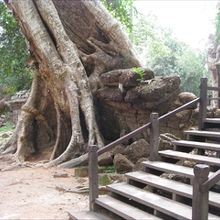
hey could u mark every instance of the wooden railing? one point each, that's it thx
(203, 103)
(202, 182)
(153, 125)
(201, 186)
(142, 128)
(93, 176)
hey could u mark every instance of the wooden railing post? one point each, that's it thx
(154, 137)
(203, 103)
(200, 201)
(93, 176)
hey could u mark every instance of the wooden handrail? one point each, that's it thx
(179, 109)
(142, 128)
(201, 183)
(93, 154)
(212, 180)
(213, 98)
(213, 88)
(123, 139)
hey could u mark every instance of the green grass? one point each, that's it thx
(109, 169)
(104, 180)
(9, 126)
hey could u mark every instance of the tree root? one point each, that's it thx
(81, 160)
(9, 150)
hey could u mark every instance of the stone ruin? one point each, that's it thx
(124, 111)
(10, 108)
(125, 103)
(16, 103)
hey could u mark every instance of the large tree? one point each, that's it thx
(71, 44)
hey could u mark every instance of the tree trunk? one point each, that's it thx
(73, 44)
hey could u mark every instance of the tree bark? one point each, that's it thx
(73, 43)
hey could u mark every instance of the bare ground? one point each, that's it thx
(38, 193)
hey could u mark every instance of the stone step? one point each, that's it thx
(196, 144)
(87, 215)
(170, 186)
(162, 204)
(197, 158)
(122, 209)
(208, 134)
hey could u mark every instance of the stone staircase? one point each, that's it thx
(148, 195)
(165, 188)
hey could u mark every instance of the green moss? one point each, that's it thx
(104, 180)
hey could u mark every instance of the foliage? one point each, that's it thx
(121, 10)
(191, 68)
(14, 72)
(217, 23)
(140, 72)
(165, 55)
(104, 180)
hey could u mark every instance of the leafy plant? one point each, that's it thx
(140, 72)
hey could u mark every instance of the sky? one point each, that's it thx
(191, 21)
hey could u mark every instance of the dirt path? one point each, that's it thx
(37, 193)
